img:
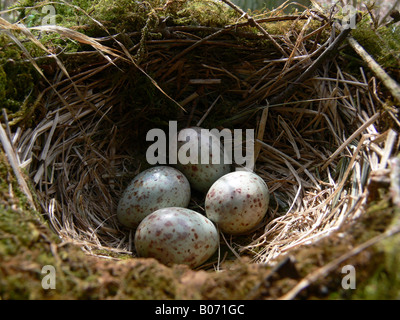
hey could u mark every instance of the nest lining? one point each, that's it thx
(314, 151)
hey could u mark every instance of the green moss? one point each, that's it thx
(20, 227)
(15, 237)
(17, 77)
(383, 44)
(93, 17)
(205, 13)
(66, 13)
(384, 280)
(384, 283)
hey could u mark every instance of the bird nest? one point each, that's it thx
(318, 131)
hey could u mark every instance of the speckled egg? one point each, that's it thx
(237, 202)
(153, 189)
(200, 175)
(177, 235)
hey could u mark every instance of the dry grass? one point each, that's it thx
(315, 150)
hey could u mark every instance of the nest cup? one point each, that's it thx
(88, 140)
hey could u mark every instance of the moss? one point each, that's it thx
(383, 43)
(66, 13)
(377, 273)
(94, 17)
(16, 237)
(17, 77)
(204, 13)
(383, 282)
(23, 238)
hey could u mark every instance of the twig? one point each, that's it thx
(208, 111)
(12, 158)
(387, 81)
(230, 247)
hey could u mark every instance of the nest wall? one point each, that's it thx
(314, 149)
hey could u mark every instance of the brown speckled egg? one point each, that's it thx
(237, 202)
(177, 235)
(201, 175)
(153, 189)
